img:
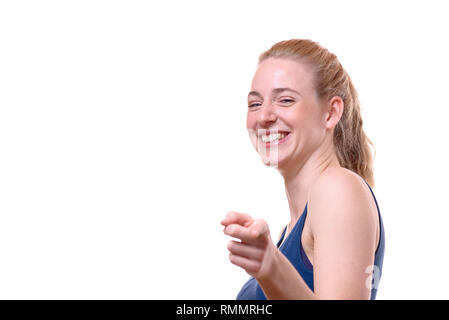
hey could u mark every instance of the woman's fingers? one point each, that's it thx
(245, 263)
(242, 233)
(245, 250)
(258, 228)
(237, 218)
(252, 234)
(251, 252)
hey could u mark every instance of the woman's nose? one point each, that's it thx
(267, 115)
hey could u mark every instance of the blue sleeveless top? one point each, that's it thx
(293, 250)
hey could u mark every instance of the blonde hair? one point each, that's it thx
(350, 141)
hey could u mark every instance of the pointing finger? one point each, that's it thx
(242, 233)
(239, 232)
(232, 217)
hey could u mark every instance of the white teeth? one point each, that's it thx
(273, 137)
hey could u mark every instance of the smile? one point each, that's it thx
(274, 138)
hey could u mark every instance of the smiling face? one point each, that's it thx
(286, 120)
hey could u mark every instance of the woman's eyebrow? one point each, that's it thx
(274, 91)
(279, 90)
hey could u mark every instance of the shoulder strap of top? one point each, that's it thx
(380, 219)
(282, 237)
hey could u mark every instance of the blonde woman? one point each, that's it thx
(304, 118)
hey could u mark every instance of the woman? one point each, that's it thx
(304, 119)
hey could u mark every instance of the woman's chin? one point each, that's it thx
(274, 162)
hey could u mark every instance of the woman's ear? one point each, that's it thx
(334, 112)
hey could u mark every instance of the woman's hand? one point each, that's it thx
(255, 252)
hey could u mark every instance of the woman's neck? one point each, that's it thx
(299, 180)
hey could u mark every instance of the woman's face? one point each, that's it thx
(285, 119)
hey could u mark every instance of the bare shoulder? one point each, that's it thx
(341, 198)
(338, 180)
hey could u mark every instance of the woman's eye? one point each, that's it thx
(286, 101)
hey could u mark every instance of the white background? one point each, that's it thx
(123, 140)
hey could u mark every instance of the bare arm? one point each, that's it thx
(284, 282)
(344, 229)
